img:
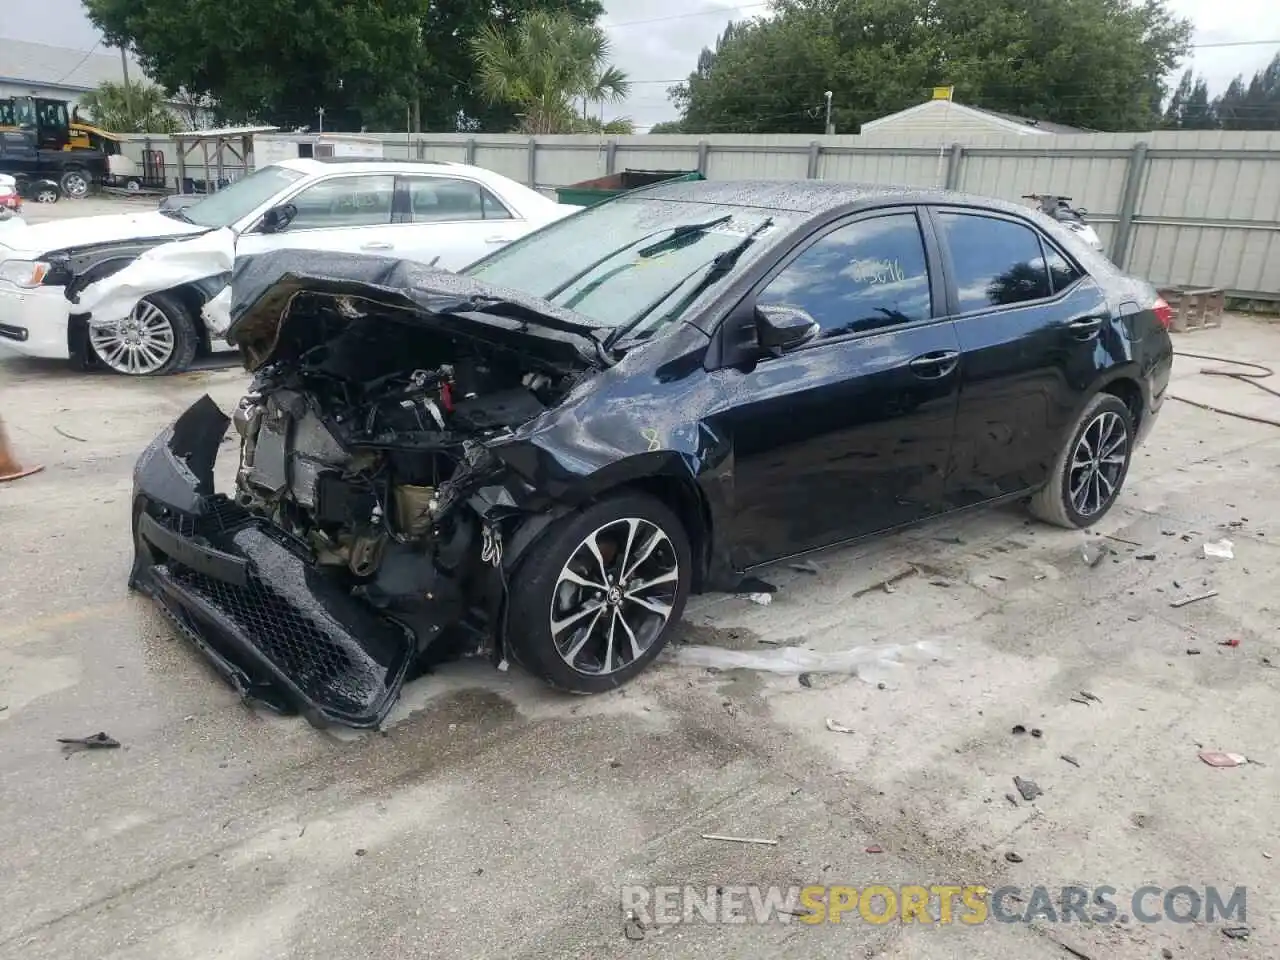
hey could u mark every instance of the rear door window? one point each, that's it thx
(996, 262)
(447, 199)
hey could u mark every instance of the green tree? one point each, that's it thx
(1190, 108)
(1095, 64)
(1255, 106)
(137, 108)
(668, 126)
(367, 63)
(546, 63)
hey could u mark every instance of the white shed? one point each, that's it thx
(943, 117)
(271, 148)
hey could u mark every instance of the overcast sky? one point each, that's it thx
(657, 41)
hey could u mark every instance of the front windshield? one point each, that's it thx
(234, 203)
(625, 258)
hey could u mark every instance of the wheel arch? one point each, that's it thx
(661, 478)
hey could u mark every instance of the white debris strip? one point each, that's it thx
(1220, 549)
(862, 662)
(112, 299)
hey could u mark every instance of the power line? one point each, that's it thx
(79, 64)
(956, 63)
(710, 12)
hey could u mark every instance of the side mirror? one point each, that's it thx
(277, 218)
(780, 328)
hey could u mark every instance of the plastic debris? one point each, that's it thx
(1071, 760)
(805, 680)
(755, 840)
(838, 727)
(764, 599)
(1037, 732)
(856, 661)
(1097, 557)
(1198, 597)
(1018, 729)
(1221, 549)
(1193, 651)
(1012, 857)
(875, 848)
(1028, 788)
(632, 928)
(1236, 933)
(1233, 642)
(1216, 758)
(97, 741)
(806, 566)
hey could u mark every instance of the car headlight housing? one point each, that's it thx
(24, 273)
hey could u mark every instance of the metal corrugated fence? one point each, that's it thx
(1197, 208)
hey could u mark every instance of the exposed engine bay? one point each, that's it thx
(347, 447)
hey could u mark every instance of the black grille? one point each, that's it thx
(222, 515)
(330, 670)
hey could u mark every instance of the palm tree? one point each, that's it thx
(544, 65)
(139, 108)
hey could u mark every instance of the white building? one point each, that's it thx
(61, 73)
(945, 118)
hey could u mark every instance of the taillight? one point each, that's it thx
(1163, 312)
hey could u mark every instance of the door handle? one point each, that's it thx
(497, 239)
(377, 245)
(1085, 328)
(934, 365)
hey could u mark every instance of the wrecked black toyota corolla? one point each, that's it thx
(540, 459)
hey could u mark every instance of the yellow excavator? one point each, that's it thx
(64, 140)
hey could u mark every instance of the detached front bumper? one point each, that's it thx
(278, 628)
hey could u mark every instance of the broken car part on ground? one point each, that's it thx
(541, 458)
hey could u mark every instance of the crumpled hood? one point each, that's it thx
(206, 257)
(54, 235)
(264, 289)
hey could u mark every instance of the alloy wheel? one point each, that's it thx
(138, 345)
(614, 596)
(1098, 463)
(75, 185)
(46, 195)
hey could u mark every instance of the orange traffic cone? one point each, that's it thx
(10, 468)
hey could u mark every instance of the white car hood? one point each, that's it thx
(111, 299)
(42, 238)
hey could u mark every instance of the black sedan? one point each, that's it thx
(540, 459)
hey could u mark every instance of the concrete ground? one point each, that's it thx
(91, 206)
(493, 818)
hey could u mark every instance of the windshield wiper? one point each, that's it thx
(179, 214)
(719, 266)
(677, 233)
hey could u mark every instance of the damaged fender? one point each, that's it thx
(205, 260)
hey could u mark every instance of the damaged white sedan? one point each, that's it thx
(142, 293)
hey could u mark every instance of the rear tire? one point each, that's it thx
(75, 183)
(640, 569)
(1091, 468)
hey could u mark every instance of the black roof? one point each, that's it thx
(813, 196)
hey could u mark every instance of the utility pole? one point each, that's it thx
(128, 89)
(829, 128)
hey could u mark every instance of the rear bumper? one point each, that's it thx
(279, 629)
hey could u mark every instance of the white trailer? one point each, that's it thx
(271, 148)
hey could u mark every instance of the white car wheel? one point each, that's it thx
(141, 345)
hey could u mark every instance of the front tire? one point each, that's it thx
(1091, 468)
(597, 598)
(158, 338)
